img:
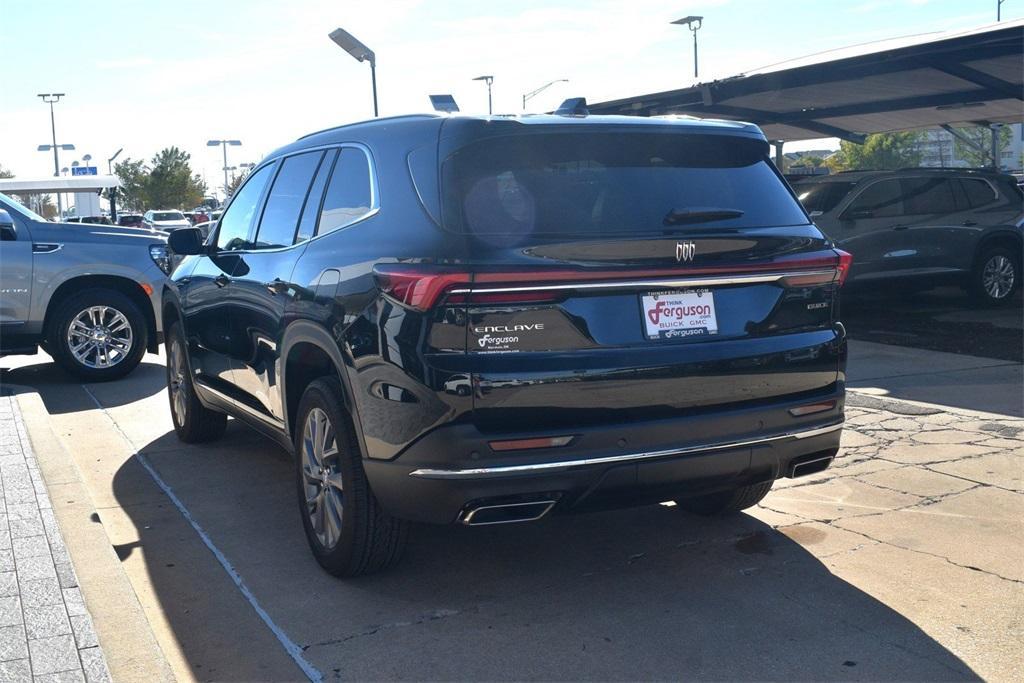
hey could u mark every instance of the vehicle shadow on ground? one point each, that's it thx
(648, 593)
(147, 379)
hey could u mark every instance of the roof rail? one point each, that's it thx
(359, 123)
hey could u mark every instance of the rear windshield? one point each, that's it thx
(168, 216)
(821, 196)
(626, 183)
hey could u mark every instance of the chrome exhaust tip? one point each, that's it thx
(505, 513)
(810, 466)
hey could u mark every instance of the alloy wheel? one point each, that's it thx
(998, 277)
(99, 337)
(322, 481)
(176, 381)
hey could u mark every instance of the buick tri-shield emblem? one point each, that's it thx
(685, 251)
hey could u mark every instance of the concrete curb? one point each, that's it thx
(124, 632)
(862, 398)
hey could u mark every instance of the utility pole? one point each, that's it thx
(51, 98)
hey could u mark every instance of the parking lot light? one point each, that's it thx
(350, 44)
(488, 80)
(694, 22)
(50, 98)
(224, 146)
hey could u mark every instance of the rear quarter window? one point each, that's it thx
(601, 184)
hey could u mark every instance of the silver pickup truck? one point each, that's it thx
(89, 295)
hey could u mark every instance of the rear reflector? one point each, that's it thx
(522, 444)
(812, 408)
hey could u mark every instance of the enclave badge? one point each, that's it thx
(685, 251)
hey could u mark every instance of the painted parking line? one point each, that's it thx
(293, 650)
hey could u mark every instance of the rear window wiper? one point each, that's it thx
(699, 215)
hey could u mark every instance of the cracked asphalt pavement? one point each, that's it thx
(902, 561)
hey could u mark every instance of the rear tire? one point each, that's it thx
(97, 335)
(726, 502)
(347, 530)
(996, 276)
(193, 422)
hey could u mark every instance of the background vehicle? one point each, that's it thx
(205, 228)
(165, 220)
(129, 220)
(927, 226)
(481, 320)
(93, 220)
(86, 295)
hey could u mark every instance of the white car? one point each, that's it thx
(165, 220)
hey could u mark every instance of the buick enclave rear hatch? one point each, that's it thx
(628, 273)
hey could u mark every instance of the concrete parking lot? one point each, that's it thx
(904, 561)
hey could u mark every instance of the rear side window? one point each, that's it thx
(928, 195)
(821, 196)
(281, 214)
(978, 192)
(307, 224)
(601, 184)
(349, 195)
(880, 200)
(237, 219)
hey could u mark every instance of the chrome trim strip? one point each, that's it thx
(238, 405)
(427, 473)
(46, 247)
(675, 282)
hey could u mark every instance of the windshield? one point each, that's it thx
(168, 216)
(821, 196)
(601, 183)
(11, 204)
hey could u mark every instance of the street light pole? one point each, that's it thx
(350, 44)
(488, 80)
(51, 98)
(694, 24)
(999, 10)
(533, 93)
(224, 146)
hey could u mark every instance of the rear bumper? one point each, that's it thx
(453, 469)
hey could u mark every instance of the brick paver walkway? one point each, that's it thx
(46, 633)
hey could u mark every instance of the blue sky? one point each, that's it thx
(147, 75)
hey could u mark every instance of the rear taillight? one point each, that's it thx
(417, 288)
(845, 261)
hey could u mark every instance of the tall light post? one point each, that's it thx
(999, 10)
(488, 80)
(694, 23)
(113, 191)
(533, 93)
(348, 42)
(224, 146)
(50, 98)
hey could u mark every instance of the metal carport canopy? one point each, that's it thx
(964, 77)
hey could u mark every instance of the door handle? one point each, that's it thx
(276, 287)
(900, 227)
(221, 280)
(969, 224)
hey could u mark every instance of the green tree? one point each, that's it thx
(134, 176)
(234, 184)
(880, 152)
(171, 183)
(979, 154)
(4, 173)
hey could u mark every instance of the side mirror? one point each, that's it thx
(7, 232)
(858, 214)
(186, 241)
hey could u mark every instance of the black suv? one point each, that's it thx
(483, 320)
(921, 226)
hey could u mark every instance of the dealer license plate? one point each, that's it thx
(674, 315)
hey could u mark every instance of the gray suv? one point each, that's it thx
(88, 294)
(924, 226)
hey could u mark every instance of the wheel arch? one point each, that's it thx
(308, 352)
(1009, 239)
(130, 288)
